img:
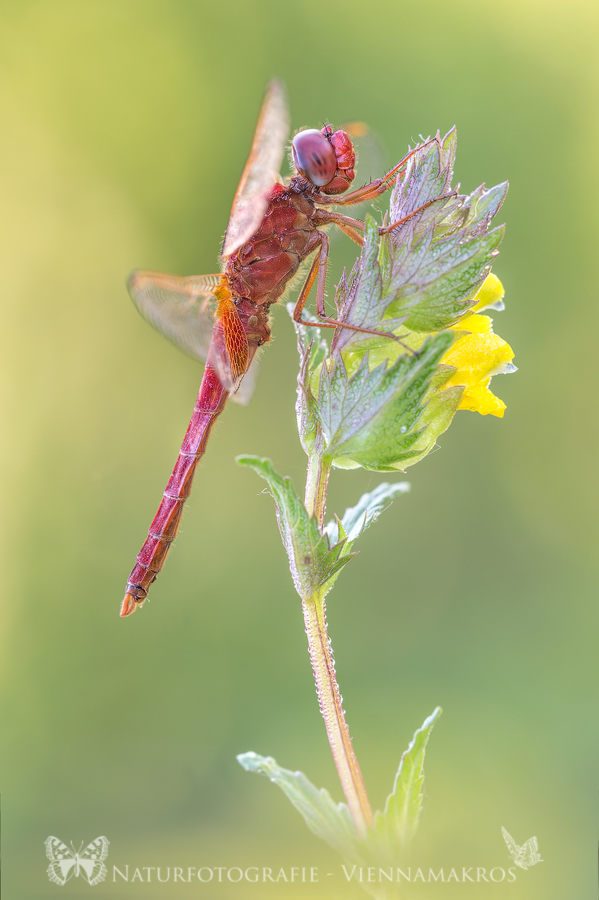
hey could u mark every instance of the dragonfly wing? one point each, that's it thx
(244, 392)
(261, 169)
(370, 159)
(182, 309)
(229, 349)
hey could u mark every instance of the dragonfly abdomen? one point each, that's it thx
(165, 525)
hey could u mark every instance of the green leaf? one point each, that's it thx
(372, 418)
(395, 827)
(436, 418)
(445, 286)
(312, 349)
(361, 302)
(427, 270)
(308, 338)
(385, 843)
(313, 561)
(484, 205)
(328, 820)
(358, 518)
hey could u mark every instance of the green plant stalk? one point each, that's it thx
(317, 482)
(323, 666)
(331, 707)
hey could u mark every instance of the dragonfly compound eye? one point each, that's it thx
(314, 157)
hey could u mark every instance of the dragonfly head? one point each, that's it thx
(325, 158)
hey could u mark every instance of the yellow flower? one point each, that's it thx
(479, 354)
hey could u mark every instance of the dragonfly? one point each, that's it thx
(222, 319)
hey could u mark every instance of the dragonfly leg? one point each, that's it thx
(415, 212)
(353, 228)
(372, 189)
(303, 294)
(319, 268)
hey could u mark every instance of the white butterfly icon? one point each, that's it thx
(65, 862)
(525, 856)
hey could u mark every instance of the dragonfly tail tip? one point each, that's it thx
(129, 605)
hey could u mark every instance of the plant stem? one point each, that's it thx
(317, 482)
(331, 707)
(329, 697)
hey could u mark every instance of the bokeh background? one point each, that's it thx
(124, 128)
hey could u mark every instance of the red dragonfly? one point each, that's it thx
(223, 318)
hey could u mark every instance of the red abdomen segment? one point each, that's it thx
(163, 530)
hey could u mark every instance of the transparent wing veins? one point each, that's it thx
(182, 309)
(261, 169)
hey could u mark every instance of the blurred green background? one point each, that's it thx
(124, 128)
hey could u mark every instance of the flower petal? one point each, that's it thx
(477, 355)
(490, 295)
